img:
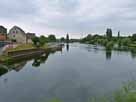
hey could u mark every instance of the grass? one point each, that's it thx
(24, 47)
(44, 47)
(126, 94)
(21, 47)
(4, 57)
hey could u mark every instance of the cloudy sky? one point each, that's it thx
(76, 17)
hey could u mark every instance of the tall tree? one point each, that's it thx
(118, 34)
(67, 38)
(109, 33)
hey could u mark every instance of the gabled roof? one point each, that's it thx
(2, 27)
(16, 27)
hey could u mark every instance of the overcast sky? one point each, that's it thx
(76, 17)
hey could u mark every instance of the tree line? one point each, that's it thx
(110, 41)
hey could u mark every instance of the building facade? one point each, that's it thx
(30, 36)
(16, 34)
(3, 30)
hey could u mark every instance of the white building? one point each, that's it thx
(16, 34)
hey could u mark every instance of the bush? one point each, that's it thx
(109, 45)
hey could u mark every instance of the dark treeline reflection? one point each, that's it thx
(17, 66)
(133, 53)
(39, 60)
(67, 46)
(108, 54)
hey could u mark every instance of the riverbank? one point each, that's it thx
(27, 50)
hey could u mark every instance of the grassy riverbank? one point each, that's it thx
(114, 43)
(27, 50)
(25, 47)
(5, 58)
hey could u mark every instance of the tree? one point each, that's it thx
(42, 40)
(87, 38)
(62, 39)
(118, 34)
(67, 38)
(134, 37)
(52, 38)
(109, 33)
(35, 41)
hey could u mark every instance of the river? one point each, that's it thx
(75, 74)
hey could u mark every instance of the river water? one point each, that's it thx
(75, 74)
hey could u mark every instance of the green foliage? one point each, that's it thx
(109, 45)
(39, 41)
(126, 94)
(87, 38)
(55, 100)
(109, 42)
(126, 42)
(67, 38)
(35, 41)
(52, 38)
(62, 39)
(43, 40)
(109, 33)
(134, 37)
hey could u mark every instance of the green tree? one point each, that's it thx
(62, 39)
(118, 34)
(126, 41)
(134, 37)
(109, 33)
(43, 40)
(35, 41)
(88, 38)
(52, 38)
(67, 38)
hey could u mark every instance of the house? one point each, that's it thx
(16, 34)
(3, 38)
(3, 30)
(3, 33)
(30, 36)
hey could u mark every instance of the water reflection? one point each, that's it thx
(67, 46)
(71, 77)
(39, 60)
(19, 65)
(4, 68)
(3, 71)
(133, 54)
(108, 54)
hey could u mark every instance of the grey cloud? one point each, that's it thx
(17, 8)
(72, 15)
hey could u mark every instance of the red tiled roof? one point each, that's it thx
(2, 37)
